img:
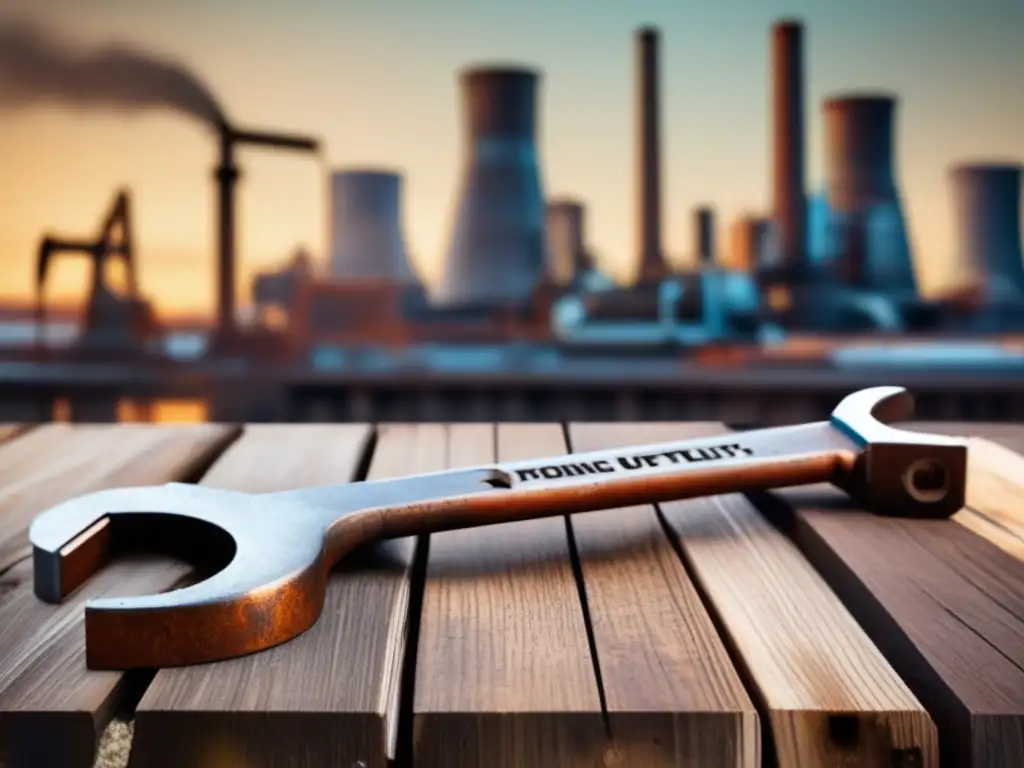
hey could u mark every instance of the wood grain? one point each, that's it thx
(671, 692)
(944, 604)
(504, 675)
(328, 697)
(829, 695)
(995, 493)
(8, 431)
(995, 480)
(51, 707)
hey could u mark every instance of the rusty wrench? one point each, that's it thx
(272, 552)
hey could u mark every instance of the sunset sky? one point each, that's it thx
(376, 80)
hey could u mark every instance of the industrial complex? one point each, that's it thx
(519, 274)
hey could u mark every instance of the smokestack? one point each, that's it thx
(652, 260)
(873, 251)
(747, 243)
(226, 175)
(566, 251)
(986, 202)
(497, 246)
(367, 241)
(704, 235)
(789, 204)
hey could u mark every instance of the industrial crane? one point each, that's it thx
(226, 175)
(131, 315)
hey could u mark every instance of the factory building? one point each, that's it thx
(986, 201)
(496, 252)
(367, 240)
(570, 264)
(748, 243)
(566, 253)
(867, 246)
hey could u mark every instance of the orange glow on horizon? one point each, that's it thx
(377, 84)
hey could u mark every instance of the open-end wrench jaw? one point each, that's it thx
(267, 557)
(899, 472)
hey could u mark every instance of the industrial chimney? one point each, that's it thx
(869, 247)
(567, 256)
(986, 203)
(652, 260)
(789, 201)
(367, 240)
(497, 246)
(704, 235)
(748, 237)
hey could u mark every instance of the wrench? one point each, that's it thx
(271, 552)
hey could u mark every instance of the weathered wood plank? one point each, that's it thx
(8, 431)
(995, 493)
(504, 675)
(829, 695)
(1010, 436)
(944, 604)
(995, 480)
(328, 697)
(671, 692)
(51, 707)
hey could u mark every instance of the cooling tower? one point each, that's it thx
(869, 248)
(789, 201)
(748, 237)
(366, 226)
(497, 246)
(652, 260)
(566, 252)
(986, 203)
(704, 235)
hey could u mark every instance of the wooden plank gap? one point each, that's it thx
(995, 480)
(330, 695)
(52, 708)
(673, 695)
(504, 672)
(945, 605)
(830, 696)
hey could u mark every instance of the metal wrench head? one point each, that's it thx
(268, 554)
(266, 581)
(899, 472)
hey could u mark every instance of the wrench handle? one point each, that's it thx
(580, 482)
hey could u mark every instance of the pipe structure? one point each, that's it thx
(226, 175)
(789, 201)
(496, 252)
(986, 204)
(367, 241)
(652, 264)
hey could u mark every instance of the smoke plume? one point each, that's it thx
(38, 67)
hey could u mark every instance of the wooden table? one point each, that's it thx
(703, 633)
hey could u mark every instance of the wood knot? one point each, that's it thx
(614, 757)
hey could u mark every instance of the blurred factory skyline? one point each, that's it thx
(379, 87)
